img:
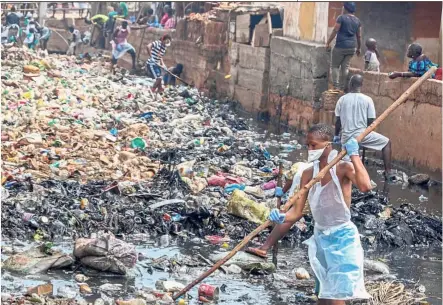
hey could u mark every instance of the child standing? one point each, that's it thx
(371, 56)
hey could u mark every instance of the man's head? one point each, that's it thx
(166, 8)
(414, 50)
(150, 11)
(349, 7)
(71, 29)
(124, 24)
(170, 12)
(188, 12)
(318, 140)
(13, 9)
(371, 44)
(179, 68)
(355, 83)
(166, 40)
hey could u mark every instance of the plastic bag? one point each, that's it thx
(241, 206)
(106, 253)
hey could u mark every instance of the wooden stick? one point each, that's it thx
(306, 188)
(141, 44)
(279, 184)
(177, 77)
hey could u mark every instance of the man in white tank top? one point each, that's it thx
(335, 251)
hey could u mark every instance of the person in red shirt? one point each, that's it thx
(166, 17)
(170, 23)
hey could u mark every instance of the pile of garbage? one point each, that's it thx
(381, 224)
(83, 150)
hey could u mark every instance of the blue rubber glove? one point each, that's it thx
(336, 140)
(278, 192)
(232, 187)
(351, 147)
(277, 217)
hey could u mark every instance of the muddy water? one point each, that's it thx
(422, 265)
(412, 264)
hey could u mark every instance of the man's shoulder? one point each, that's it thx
(354, 95)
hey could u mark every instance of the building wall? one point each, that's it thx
(298, 72)
(395, 25)
(306, 21)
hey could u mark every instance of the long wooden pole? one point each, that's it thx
(306, 188)
(177, 77)
(279, 184)
(141, 44)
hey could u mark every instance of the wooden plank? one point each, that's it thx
(269, 23)
(243, 23)
(263, 20)
(261, 36)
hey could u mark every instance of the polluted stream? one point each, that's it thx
(182, 206)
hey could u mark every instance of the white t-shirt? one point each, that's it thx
(354, 110)
(372, 60)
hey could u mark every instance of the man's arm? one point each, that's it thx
(294, 214)
(337, 119)
(371, 112)
(149, 48)
(394, 75)
(356, 172)
(287, 186)
(358, 41)
(337, 126)
(115, 33)
(334, 32)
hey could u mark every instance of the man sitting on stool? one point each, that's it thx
(354, 112)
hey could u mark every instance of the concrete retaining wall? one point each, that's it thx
(250, 76)
(302, 66)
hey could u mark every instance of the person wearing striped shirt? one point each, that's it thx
(156, 51)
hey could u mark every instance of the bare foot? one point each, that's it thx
(257, 252)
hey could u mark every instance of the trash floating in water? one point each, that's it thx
(423, 198)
